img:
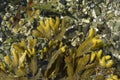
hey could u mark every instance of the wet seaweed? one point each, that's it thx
(60, 46)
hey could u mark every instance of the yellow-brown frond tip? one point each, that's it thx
(112, 77)
(105, 61)
(97, 43)
(63, 48)
(32, 42)
(7, 59)
(22, 58)
(47, 28)
(91, 33)
(2, 66)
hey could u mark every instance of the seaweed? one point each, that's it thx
(52, 48)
